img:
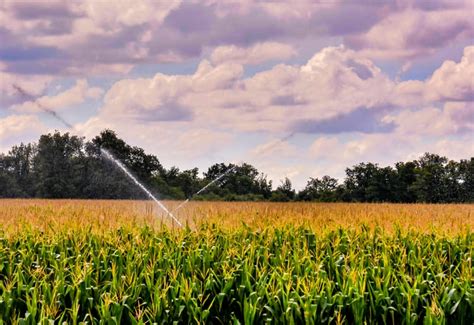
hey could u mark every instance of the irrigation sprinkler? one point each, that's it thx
(271, 146)
(105, 153)
(204, 188)
(109, 156)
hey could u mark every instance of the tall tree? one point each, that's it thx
(430, 185)
(466, 180)
(9, 187)
(357, 182)
(243, 180)
(58, 165)
(284, 191)
(21, 160)
(321, 190)
(406, 174)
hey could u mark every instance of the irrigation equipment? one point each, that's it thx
(104, 153)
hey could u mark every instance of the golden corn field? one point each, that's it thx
(121, 262)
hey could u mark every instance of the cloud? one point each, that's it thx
(453, 118)
(16, 128)
(414, 32)
(453, 81)
(277, 147)
(70, 97)
(335, 91)
(97, 37)
(34, 85)
(219, 96)
(360, 120)
(256, 54)
(333, 154)
(171, 98)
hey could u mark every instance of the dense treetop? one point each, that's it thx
(66, 166)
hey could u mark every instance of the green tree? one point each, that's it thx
(143, 165)
(21, 160)
(466, 180)
(244, 182)
(8, 185)
(284, 192)
(403, 184)
(430, 184)
(357, 182)
(58, 166)
(321, 190)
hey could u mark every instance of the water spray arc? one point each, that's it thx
(205, 188)
(105, 153)
(110, 157)
(274, 144)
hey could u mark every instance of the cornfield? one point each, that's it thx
(104, 262)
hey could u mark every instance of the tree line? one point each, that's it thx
(66, 166)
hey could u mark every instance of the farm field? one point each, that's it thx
(122, 262)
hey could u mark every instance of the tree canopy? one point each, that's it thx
(67, 166)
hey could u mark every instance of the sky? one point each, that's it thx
(298, 89)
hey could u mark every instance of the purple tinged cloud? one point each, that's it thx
(361, 120)
(244, 93)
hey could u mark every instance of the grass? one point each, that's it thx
(116, 263)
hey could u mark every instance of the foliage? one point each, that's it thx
(284, 192)
(321, 190)
(65, 166)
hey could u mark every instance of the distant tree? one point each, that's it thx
(284, 192)
(321, 190)
(143, 165)
(357, 182)
(146, 168)
(406, 175)
(430, 185)
(367, 182)
(452, 182)
(20, 160)
(108, 139)
(62, 165)
(58, 165)
(381, 185)
(189, 182)
(177, 184)
(9, 187)
(243, 180)
(466, 180)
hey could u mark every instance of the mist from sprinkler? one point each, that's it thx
(104, 153)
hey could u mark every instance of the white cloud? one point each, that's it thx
(453, 81)
(333, 154)
(452, 119)
(102, 37)
(256, 54)
(19, 128)
(414, 32)
(335, 81)
(34, 85)
(198, 116)
(70, 97)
